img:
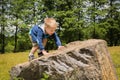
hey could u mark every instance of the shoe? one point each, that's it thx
(40, 54)
(31, 57)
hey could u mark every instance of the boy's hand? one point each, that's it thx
(61, 47)
(45, 52)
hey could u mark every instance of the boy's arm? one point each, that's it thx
(39, 40)
(57, 39)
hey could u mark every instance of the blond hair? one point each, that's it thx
(50, 22)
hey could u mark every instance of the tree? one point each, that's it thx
(113, 18)
(95, 12)
(78, 20)
(21, 10)
(70, 16)
(3, 21)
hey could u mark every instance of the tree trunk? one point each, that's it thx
(3, 30)
(94, 32)
(15, 46)
(3, 40)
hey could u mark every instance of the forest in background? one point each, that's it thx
(78, 20)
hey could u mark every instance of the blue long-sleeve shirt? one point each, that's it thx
(38, 35)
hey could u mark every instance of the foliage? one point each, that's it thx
(78, 20)
(9, 47)
(18, 79)
(45, 77)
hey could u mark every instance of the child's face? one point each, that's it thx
(49, 30)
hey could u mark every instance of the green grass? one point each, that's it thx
(115, 55)
(11, 59)
(8, 60)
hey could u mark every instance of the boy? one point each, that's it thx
(39, 35)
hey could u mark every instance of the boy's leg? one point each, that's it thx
(34, 48)
(44, 44)
(34, 45)
(31, 54)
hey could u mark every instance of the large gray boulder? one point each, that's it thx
(79, 60)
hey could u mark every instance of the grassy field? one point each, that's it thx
(115, 55)
(8, 60)
(11, 59)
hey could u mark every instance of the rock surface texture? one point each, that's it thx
(79, 60)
